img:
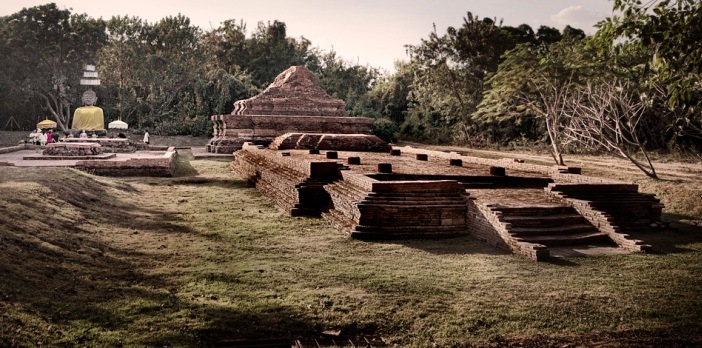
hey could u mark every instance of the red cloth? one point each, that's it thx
(49, 138)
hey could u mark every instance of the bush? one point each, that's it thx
(385, 129)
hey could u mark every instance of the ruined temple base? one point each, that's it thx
(533, 210)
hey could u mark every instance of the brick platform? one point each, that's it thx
(530, 210)
(117, 145)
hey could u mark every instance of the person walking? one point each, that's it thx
(146, 137)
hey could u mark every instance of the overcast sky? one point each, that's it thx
(370, 32)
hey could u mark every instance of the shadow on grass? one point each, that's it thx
(674, 239)
(57, 270)
(262, 322)
(222, 183)
(456, 245)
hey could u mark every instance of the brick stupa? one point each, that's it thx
(293, 103)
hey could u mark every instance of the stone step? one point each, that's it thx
(552, 231)
(442, 205)
(477, 185)
(607, 194)
(414, 194)
(539, 210)
(544, 220)
(593, 187)
(569, 239)
(416, 202)
(413, 228)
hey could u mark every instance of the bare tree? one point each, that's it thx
(607, 116)
(554, 97)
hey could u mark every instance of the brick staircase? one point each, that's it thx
(616, 209)
(622, 204)
(410, 213)
(399, 209)
(549, 225)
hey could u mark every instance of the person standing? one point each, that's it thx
(49, 137)
(42, 139)
(146, 137)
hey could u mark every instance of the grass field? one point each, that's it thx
(203, 258)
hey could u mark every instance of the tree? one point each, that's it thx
(389, 96)
(608, 116)
(536, 82)
(44, 50)
(271, 51)
(449, 74)
(669, 31)
(347, 81)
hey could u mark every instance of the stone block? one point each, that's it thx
(497, 171)
(385, 167)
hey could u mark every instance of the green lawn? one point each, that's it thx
(192, 260)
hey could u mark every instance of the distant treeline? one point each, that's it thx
(633, 86)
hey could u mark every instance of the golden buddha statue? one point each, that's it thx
(88, 117)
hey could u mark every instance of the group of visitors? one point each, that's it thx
(41, 137)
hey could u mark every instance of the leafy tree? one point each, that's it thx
(44, 50)
(347, 81)
(385, 129)
(389, 96)
(669, 31)
(531, 88)
(449, 74)
(271, 51)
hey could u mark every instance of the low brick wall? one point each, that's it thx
(18, 148)
(149, 166)
(555, 172)
(296, 186)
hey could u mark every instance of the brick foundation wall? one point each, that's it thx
(158, 166)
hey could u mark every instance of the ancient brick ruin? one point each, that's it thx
(532, 210)
(297, 145)
(293, 103)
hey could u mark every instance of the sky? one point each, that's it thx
(366, 32)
